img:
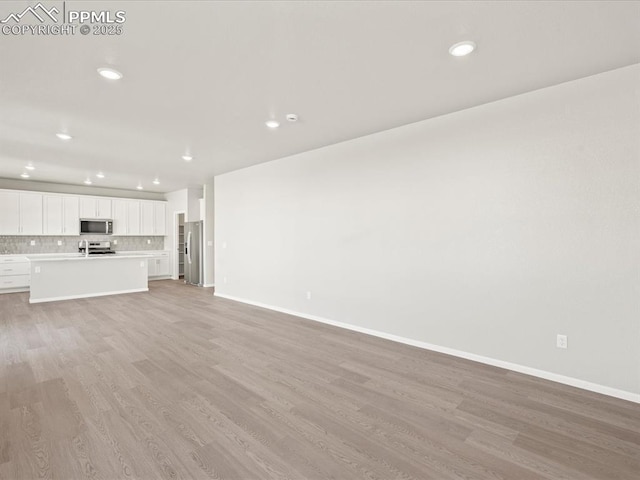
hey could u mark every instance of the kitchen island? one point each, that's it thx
(67, 276)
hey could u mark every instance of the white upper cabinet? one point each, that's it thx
(160, 213)
(20, 213)
(71, 216)
(9, 213)
(153, 216)
(126, 217)
(94, 207)
(31, 214)
(88, 207)
(104, 208)
(133, 217)
(36, 213)
(61, 214)
(119, 217)
(147, 218)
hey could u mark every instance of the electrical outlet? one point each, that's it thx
(561, 341)
(37, 269)
(59, 243)
(115, 242)
(308, 295)
(224, 244)
(224, 279)
(148, 241)
(32, 243)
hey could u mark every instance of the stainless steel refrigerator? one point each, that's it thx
(193, 253)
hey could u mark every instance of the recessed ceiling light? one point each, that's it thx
(63, 136)
(109, 73)
(272, 124)
(187, 158)
(88, 181)
(30, 167)
(100, 175)
(156, 182)
(139, 187)
(461, 49)
(25, 175)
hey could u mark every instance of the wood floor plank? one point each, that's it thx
(176, 383)
(5, 432)
(31, 449)
(500, 447)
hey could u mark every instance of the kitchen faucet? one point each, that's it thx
(86, 248)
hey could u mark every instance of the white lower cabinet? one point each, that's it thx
(159, 266)
(15, 274)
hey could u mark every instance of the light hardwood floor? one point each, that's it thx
(137, 386)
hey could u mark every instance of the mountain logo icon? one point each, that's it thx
(39, 11)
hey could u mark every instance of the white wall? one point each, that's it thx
(486, 231)
(208, 216)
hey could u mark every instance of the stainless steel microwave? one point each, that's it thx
(96, 226)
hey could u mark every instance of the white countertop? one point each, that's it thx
(81, 257)
(54, 257)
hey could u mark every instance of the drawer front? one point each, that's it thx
(13, 260)
(15, 281)
(14, 269)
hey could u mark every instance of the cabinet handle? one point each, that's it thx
(8, 270)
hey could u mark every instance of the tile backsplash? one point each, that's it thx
(49, 244)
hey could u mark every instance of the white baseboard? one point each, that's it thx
(554, 377)
(87, 295)
(209, 285)
(14, 290)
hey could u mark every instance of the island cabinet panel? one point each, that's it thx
(64, 277)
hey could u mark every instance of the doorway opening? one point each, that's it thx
(180, 244)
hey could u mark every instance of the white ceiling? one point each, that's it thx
(205, 76)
